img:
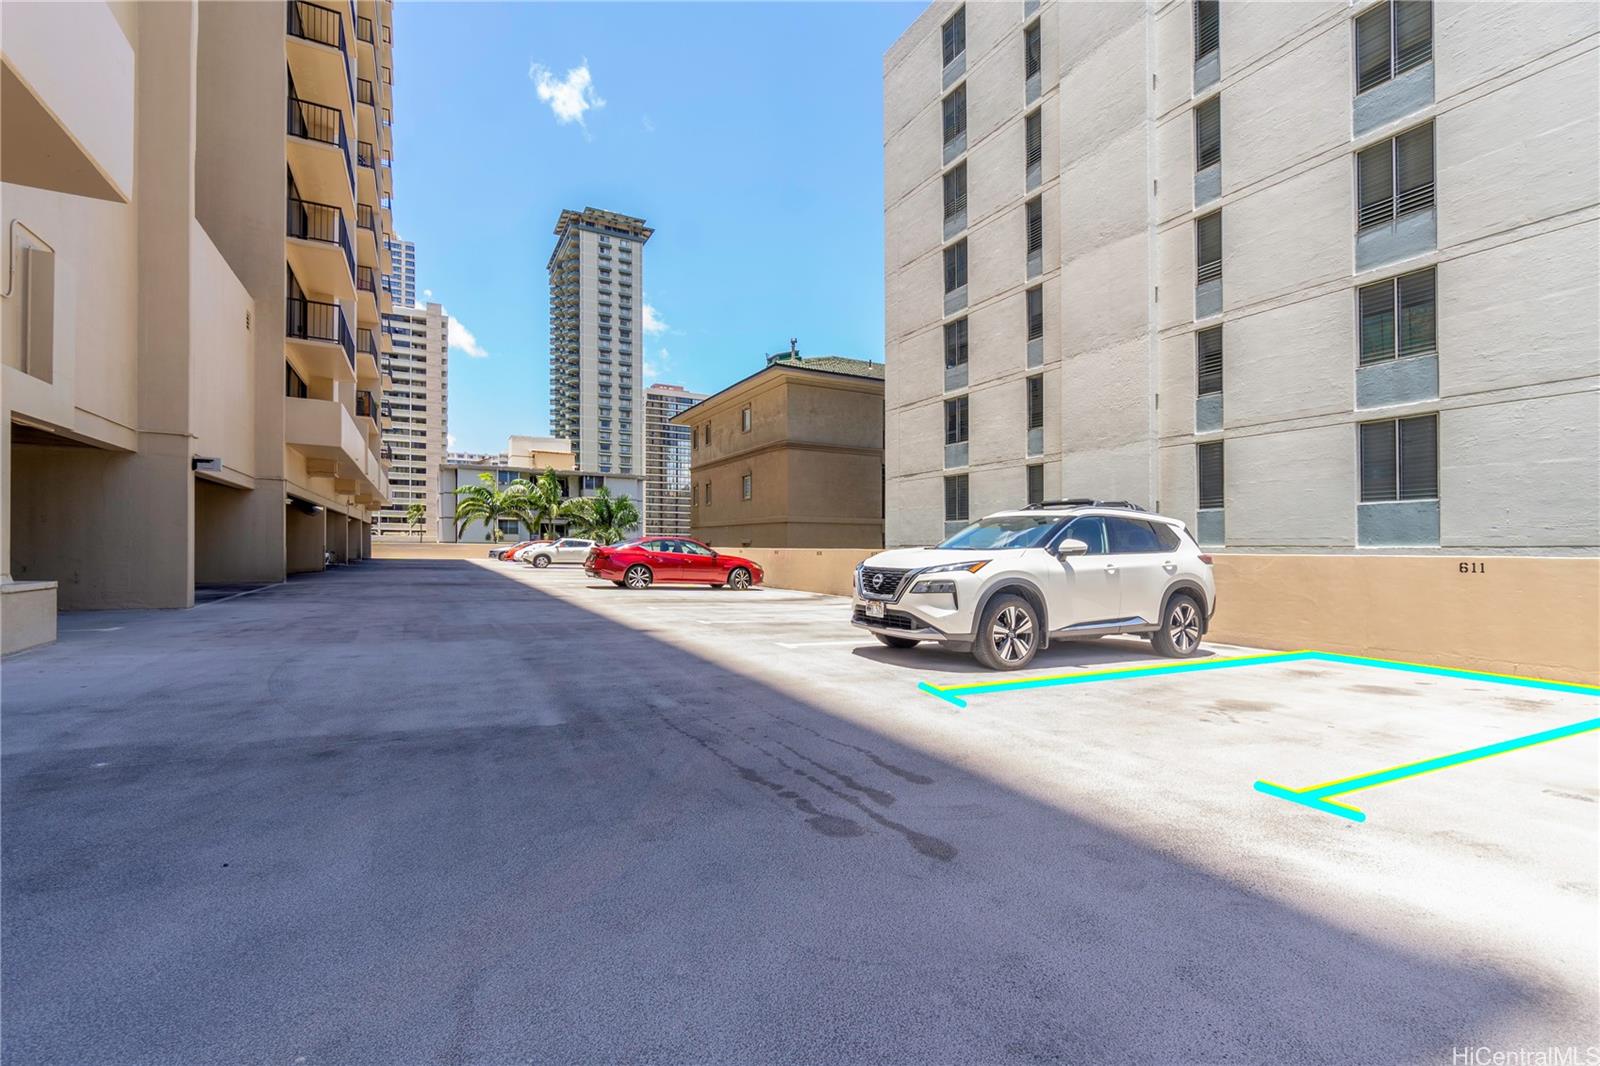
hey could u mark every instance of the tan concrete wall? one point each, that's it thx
(1536, 617)
(826, 570)
(395, 548)
(29, 608)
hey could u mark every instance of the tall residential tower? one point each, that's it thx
(597, 336)
(417, 427)
(666, 459)
(401, 281)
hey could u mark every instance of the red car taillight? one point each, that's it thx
(1206, 559)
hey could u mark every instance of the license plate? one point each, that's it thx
(874, 609)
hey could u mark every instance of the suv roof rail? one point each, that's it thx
(1081, 501)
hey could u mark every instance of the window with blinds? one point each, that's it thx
(954, 36)
(1391, 39)
(1036, 402)
(1208, 248)
(1208, 467)
(955, 266)
(1035, 485)
(1033, 139)
(1395, 177)
(1035, 313)
(955, 113)
(955, 420)
(955, 343)
(1032, 51)
(1400, 459)
(1208, 360)
(955, 498)
(1208, 133)
(955, 191)
(1398, 317)
(1035, 225)
(1207, 27)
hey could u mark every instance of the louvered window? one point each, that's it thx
(1035, 225)
(1208, 465)
(1208, 133)
(1035, 485)
(1395, 177)
(955, 36)
(1398, 317)
(1208, 360)
(1391, 39)
(1208, 248)
(1036, 402)
(1033, 138)
(1032, 55)
(955, 266)
(1035, 313)
(955, 114)
(1400, 459)
(955, 420)
(955, 498)
(1207, 24)
(955, 191)
(955, 344)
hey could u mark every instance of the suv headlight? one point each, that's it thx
(971, 568)
(935, 587)
(946, 585)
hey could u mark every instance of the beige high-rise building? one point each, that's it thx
(195, 208)
(417, 429)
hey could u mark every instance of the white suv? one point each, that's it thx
(1008, 584)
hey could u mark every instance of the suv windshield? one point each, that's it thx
(1010, 531)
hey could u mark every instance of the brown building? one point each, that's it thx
(790, 457)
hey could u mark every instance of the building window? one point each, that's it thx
(1208, 461)
(1400, 459)
(1208, 360)
(510, 525)
(1208, 133)
(955, 420)
(1033, 139)
(1207, 27)
(955, 191)
(1398, 317)
(955, 498)
(708, 433)
(955, 344)
(1036, 402)
(1035, 208)
(1036, 312)
(1395, 177)
(955, 113)
(954, 36)
(955, 266)
(294, 384)
(1032, 51)
(1035, 485)
(1391, 39)
(745, 486)
(744, 420)
(1208, 248)
(708, 494)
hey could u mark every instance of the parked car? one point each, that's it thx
(522, 550)
(1010, 583)
(565, 550)
(503, 551)
(638, 564)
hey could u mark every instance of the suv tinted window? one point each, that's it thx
(1091, 529)
(1170, 541)
(1129, 536)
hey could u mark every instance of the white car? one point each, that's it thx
(565, 550)
(520, 552)
(1010, 583)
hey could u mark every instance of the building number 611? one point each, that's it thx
(1471, 568)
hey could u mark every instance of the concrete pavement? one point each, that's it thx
(499, 815)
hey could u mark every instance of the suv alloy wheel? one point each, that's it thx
(1008, 634)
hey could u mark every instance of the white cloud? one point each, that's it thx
(654, 324)
(450, 440)
(428, 293)
(654, 368)
(461, 339)
(568, 97)
(649, 126)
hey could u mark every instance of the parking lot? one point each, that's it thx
(464, 811)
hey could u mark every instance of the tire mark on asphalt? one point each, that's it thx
(900, 772)
(876, 795)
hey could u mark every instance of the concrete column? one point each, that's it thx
(238, 533)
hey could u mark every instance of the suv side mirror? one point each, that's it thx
(1070, 547)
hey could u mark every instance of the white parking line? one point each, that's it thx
(818, 643)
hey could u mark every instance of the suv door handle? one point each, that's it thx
(1111, 568)
(1169, 566)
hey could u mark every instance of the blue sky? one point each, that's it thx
(749, 135)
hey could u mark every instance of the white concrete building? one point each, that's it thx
(416, 425)
(401, 281)
(1314, 277)
(597, 337)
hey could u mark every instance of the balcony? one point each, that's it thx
(367, 174)
(367, 295)
(319, 151)
(317, 51)
(366, 356)
(318, 335)
(334, 446)
(318, 249)
(367, 241)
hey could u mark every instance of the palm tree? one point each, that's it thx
(604, 517)
(546, 501)
(416, 516)
(487, 503)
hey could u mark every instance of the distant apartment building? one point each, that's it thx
(597, 337)
(401, 280)
(666, 459)
(525, 458)
(790, 457)
(416, 414)
(195, 198)
(1314, 277)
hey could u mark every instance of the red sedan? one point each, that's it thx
(637, 564)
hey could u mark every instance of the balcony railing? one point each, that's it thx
(313, 22)
(363, 29)
(363, 91)
(367, 280)
(366, 405)
(312, 221)
(365, 154)
(366, 343)
(317, 122)
(366, 218)
(314, 320)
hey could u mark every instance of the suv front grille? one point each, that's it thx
(881, 582)
(890, 620)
